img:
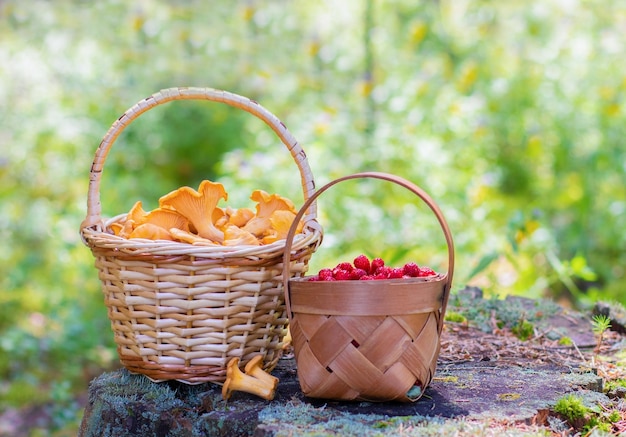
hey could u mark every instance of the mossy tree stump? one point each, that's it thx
(122, 404)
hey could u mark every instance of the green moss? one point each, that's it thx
(524, 330)
(571, 407)
(302, 419)
(508, 397)
(614, 416)
(455, 317)
(614, 384)
(565, 341)
(126, 404)
(595, 424)
(447, 379)
(589, 412)
(511, 312)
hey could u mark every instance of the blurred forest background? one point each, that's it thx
(510, 114)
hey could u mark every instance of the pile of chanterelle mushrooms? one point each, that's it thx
(191, 216)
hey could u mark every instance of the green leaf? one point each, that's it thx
(483, 263)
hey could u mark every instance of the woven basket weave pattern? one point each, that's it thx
(181, 311)
(367, 358)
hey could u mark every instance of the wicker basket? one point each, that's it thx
(180, 311)
(368, 340)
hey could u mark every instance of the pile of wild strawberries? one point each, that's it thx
(363, 269)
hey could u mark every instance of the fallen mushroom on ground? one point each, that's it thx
(194, 217)
(254, 381)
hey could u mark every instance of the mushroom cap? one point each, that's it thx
(117, 228)
(123, 229)
(255, 368)
(232, 369)
(239, 217)
(137, 213)
(167, 218)
(256, 361)
(198, 206)
(190, 238)
(258, 226)
(235, 236)
(280, 222)
(268, 203)
(151, 231)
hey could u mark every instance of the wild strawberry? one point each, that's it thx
(345, 266)
(411, 269)
(325, 274)
(362, 262)
(342, 275)
(383, 272)
(357, 274)
(381, 275)
(426, 271)
(377, 263)
(366, 278)
(396, 273)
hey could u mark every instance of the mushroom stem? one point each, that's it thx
(236, 380)
(254, 368)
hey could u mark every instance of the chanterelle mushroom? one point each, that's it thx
(255, 368)
(236, 380)
(198, 207)
(266, 205)
(137, 213)
(167, 218)
(134, 218)
(280, 222)
(123, 229)
(239, 217)
(151, 232)
(188, 237)
(234, 236)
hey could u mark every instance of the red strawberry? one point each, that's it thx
(366, 278)
(357, 274)
(325, 274)
(342, 275)
(426, 271)
(377, 263)
(411, 269)
(362, 262)
(345, 266)
(396, 273)
(383, 272)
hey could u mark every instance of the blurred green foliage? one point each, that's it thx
(510, 114)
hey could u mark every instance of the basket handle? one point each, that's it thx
(391, 178)
(94, 208)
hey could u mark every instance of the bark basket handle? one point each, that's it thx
(94, 207)
(386, 177)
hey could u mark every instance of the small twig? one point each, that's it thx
(582, 357)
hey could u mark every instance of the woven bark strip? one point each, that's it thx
(368, 340)
(182, 311)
